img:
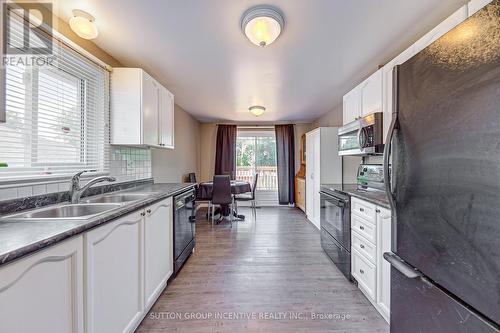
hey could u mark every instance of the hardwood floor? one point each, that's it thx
(271, 272)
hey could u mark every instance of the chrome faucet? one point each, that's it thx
(76, 192)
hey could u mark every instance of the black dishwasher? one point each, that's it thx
(184, 228)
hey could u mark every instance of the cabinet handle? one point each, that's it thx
(143, 214)
(361, 246)
(377, 210)
(362, 271)
(148, 211)
(361, 209)
(361, 227)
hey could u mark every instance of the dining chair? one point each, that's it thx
(221, 195)
(248, 197)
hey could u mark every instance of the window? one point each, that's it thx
(57, 115)
(256, 153)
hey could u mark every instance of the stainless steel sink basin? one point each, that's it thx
(69, 211)
(118, 198)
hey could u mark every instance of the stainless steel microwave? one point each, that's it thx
(363, 136)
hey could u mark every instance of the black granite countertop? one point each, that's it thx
(376, 197)
(19, 238)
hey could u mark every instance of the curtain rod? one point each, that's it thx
(255, 126)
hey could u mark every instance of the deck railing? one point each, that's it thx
(268, 176)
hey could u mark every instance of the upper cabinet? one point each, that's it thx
(363, 100)
(142, 110)
(452, 21)
(474, 5)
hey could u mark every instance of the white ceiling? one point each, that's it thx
(196, 49)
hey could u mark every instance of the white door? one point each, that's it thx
(114, 275)
(310, 161)
(351, 106)
(384, 268)
(371, 94)
(166, 118)
(158, 246)
(317, 179)
(452, 21)
(44, 291)
(387, 78)
(474, 5)
(150, 109)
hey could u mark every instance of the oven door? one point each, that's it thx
(335, 218)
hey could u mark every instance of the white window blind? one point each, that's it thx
(57, 116)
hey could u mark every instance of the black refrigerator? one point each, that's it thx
(444, 145)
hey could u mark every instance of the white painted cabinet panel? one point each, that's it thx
(150, 109)
(142, 110)
(383, 267)
(452, 21)
(387, 87)
(44, 291)
(474, 5)
(114, 275)
(351, 106)
(371, 94)
(158, 246)
(166, 118)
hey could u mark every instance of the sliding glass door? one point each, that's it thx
(256, 153)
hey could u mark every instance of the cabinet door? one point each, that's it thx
(114, 275)
(445, 26)
(150, 110)
(384, 268)
(474, 5)
(44, 291)
(158, 253)
(387, 85)
(310, 174)
(371, 94)
(351, 106)
(166, 118)
(317, 179)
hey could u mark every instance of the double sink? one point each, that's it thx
(89, 207)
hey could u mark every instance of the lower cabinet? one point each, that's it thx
(370, 238)
(44, 291)
(105, 280)
(114, 275)
(158, 250)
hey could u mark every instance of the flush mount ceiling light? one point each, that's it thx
(262, 24)
(83, 24)
(257, 110)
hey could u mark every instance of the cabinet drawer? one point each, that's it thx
(364, 272)
(363, 209)
(364, 228)
(363, 246)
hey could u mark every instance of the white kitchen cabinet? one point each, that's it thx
(351, 106)
(452, 21)
(142, 110)
(114, 276)
(474, 5)
(158, 246)
(387, 86)
(370, 238)
(371, 94)
(166, 118)
(44, 291)
(384, 232)
(324, 166)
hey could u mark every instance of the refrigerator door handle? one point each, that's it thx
(401, 266)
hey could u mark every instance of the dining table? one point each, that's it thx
(204, 193)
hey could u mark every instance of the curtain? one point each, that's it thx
(285, 151)
(225, 150)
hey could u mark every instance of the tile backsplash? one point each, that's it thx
(125, 164)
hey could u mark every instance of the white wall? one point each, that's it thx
(172, 166)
